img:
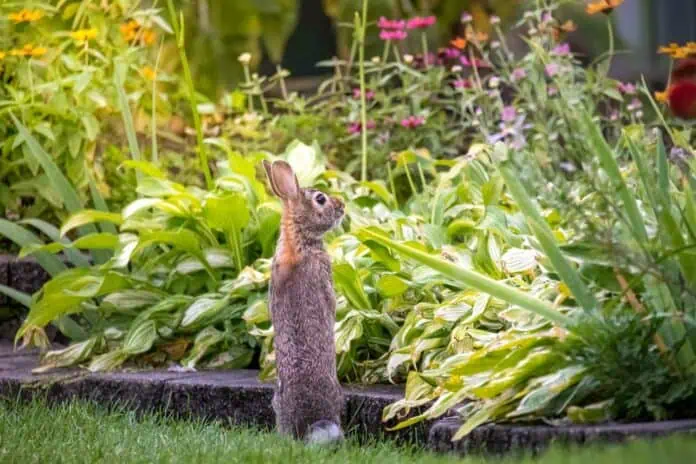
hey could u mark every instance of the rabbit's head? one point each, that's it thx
(310, 212)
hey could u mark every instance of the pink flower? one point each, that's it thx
(466, 18)
(412, 122)
(369, 94)
(552, 91)
(627, 88)
(356, 127)
(547, 17)
(451, 53)
(395, 35)
(420, 22)
(561, 50)
(552, 69)
(396, 24)
(518, 74)
(462, 84)
(508, 114)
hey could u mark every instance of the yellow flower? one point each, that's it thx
(149, 73)
(83, 35)
(25, 16)
(29, 50)
(2, 55)
(661, 97)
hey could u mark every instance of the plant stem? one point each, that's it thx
(424, 43)
(202, 151)
(363, 100)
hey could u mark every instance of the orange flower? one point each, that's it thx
(149, 73)
(129, 30)
(660, 97)
(602, 6)
(29, 50)
(149, 36)
(459, 43)
(25, 16)
(83, 35)
(677, 51)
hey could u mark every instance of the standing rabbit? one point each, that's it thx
(308, 401)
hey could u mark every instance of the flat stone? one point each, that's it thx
(4, 277)
(27, 275)
(498, 439)
(236, 397)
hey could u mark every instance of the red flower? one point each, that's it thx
(681, 94)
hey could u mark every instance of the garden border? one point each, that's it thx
(238, 397)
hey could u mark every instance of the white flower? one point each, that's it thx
(408, 59)
(244, 58)
(494, 82)
(495, 20)
(376, 59)
(456, 68)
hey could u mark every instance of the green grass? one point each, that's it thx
(80, 432)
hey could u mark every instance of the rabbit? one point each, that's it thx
(308, 400)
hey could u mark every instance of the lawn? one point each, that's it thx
(84, 432)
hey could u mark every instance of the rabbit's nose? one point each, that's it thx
(340, 206)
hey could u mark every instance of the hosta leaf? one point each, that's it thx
(89, 216)
(131, 299)
(519, 260)
(203, 308)
(140, 338)
(349, 283)
(390, 286)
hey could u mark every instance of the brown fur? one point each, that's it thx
(302, 304)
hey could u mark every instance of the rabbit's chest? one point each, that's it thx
(302, 299)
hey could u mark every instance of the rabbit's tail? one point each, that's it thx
(324, 432)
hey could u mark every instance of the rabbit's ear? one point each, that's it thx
(269, 173)
(283, 180)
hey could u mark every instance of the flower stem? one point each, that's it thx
(202, 152)
(424, 43)
(363, 101)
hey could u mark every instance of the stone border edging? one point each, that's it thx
(499, 439)
(238, 397)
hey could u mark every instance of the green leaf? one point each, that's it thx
(391, 286)
(89, 216)
(53, 233)
(350, 285)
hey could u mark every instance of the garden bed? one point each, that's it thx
(237, 397)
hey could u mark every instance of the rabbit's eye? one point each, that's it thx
(320, 198)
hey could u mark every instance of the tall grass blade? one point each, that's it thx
(123, 106)
(191, 93)
(62, 185)
(544, 235)
(20, 297)
(608, 162)
(23, 237)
